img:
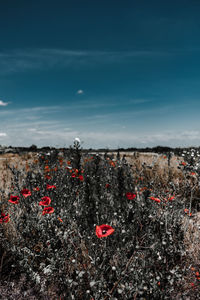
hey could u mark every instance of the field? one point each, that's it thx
(53, 240)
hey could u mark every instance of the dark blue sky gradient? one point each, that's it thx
(136, 62)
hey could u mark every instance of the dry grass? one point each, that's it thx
(149, 166)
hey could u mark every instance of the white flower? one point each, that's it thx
(77, 140)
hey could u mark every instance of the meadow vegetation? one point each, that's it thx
(53, 240)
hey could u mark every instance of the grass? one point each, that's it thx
(153, 252)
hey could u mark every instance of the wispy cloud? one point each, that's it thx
(80, 92)
(140, 101)
(2, 103)
(2, 134)
(37, 59)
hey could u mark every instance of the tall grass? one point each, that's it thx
(60, 254)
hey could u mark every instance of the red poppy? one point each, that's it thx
(48, 210)
(5, 218)
(14, 199)
(80, 177)
(107, 185)
(73, 175)
(47, 177)
(46, 201)
(192, 173)
(130, 196)
(49, 187)
(183, 163)
(36, 189)
(104, 230)
(60, 219)
(171, 198)
(197, 274)
(26, 193)
(155, 199)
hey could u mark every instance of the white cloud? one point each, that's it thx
(80, 92)
(3, 134)
(37, 59)
(2, 103)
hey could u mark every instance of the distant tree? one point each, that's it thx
(33, 148)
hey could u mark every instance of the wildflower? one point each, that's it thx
(143, 189)
(46, 201)
(73, 175)
(4, 218)
(26, 193)
(112, 163)
(36, 188)
(197, 274)
(130, 196)
(69, 162)
(80, 177)
(14, 199)
(155, 199)
(47, 177)
(183, 163)
(192, 285)
(187, 212)
(77, 140)
(192, 173)
(104, 230)
(49, 187)
(60, 219)
(171, 198)
(107, 185)
(48, 210)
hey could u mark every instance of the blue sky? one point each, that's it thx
(113, 73)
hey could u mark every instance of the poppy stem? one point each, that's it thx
(123, 274)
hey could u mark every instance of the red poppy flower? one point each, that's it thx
(46, 201)
(197, 274)
(14, 199)
(36, 189)
(171, 198)
(107, 185)
(183, 163)
(26, 193)
(47, 177)
(60, 219)
(80, 177)
(73, 175)
(155, 199)
(48, 210)
(49, 187)
(130, 196)
(104, 230)
(4, 218)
